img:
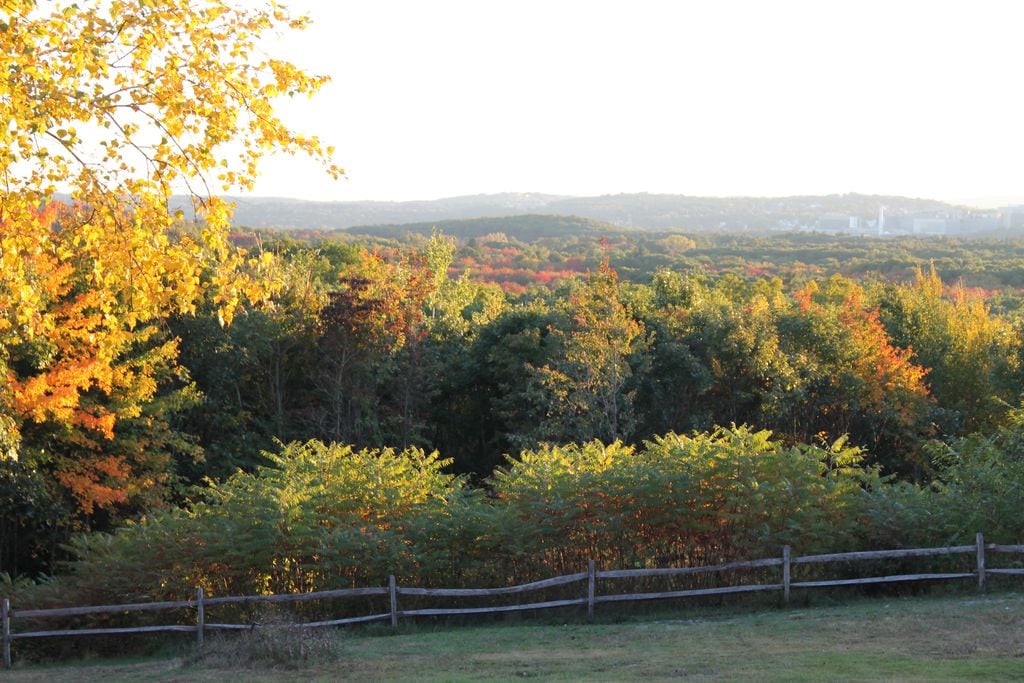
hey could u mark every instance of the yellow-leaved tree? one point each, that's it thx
(115, 104)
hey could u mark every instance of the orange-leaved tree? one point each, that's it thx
(109, 106)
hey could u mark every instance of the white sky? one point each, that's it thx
(718, 97)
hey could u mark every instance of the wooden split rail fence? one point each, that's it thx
(200, 602)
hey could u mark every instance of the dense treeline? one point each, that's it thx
(395, 347)
(520, 257)
(396, 353)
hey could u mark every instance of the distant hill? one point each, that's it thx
(644, 211)
(257, 212)
(526, 228)
(668, 211)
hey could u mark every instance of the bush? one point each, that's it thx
(701, 499)
(325, 517)
(321, 517)
(980, 483)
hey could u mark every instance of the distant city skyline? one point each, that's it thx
(444, 99)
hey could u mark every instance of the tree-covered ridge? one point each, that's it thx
(526, 228)
(639, 210)
(987, 267)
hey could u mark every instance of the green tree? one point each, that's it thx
(591, 381)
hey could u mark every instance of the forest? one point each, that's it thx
(375, 395)
(185, 402)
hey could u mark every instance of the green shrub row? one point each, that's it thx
(329, 516)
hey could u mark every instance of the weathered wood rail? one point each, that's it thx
(592, 576)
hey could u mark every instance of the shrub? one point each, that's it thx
(980, 483)
(325, 517)
(729, 494)
(320, 517)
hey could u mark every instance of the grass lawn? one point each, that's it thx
(904, 639)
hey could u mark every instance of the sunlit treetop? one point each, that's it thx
(116, 96)
(119, 103)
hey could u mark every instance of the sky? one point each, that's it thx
(711, 97)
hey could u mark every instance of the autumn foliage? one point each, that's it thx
(108, 108)
(595, 403)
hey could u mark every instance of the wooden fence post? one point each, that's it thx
(591, 587)
(7, 632)
(785, 574)
(200, 616)
(393, 592)
(980, 540)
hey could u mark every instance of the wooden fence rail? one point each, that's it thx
(592, 577)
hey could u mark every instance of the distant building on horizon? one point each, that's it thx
(930, 226)
(1012, 217)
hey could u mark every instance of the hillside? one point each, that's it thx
(258, 212)
(736, 213)
(526, 228)
(645, 211)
